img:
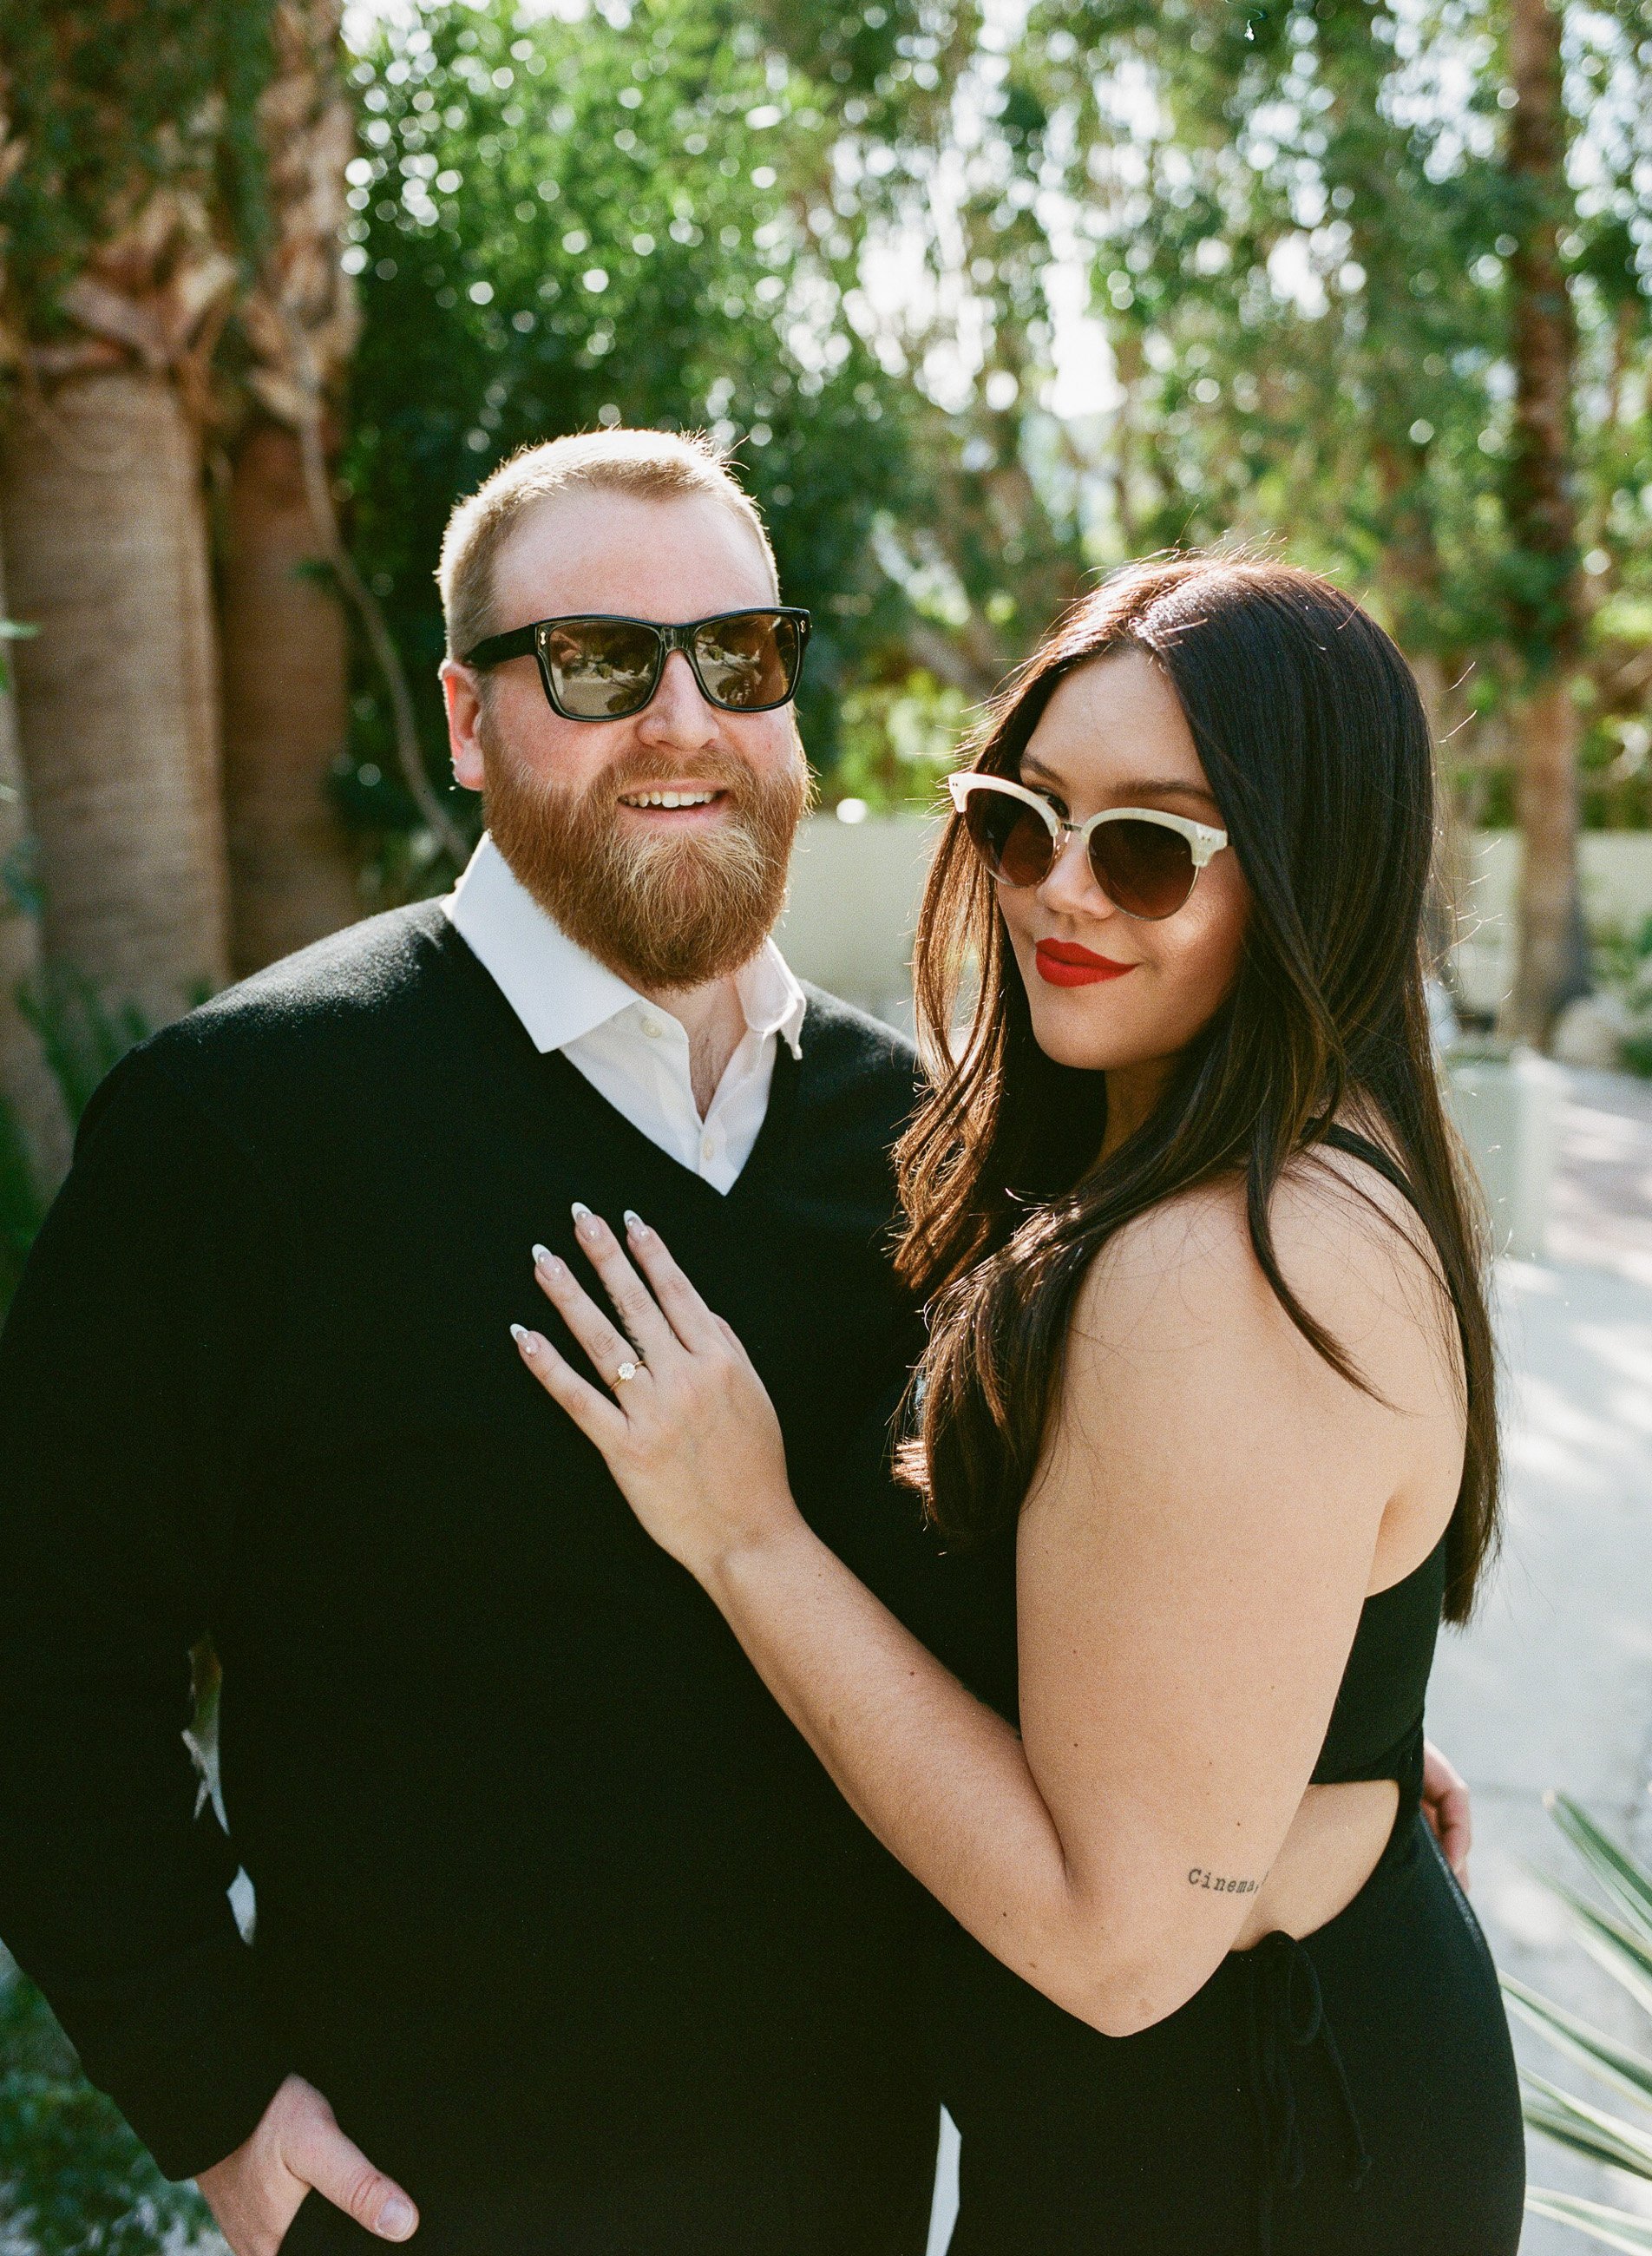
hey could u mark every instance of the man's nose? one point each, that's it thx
(1070, 887)
(677, 716)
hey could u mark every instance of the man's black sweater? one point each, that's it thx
(550, 1896)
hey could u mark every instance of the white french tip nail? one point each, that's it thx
(520, 1335)
(581, 1212)
(634, 1221)
(543, 1255)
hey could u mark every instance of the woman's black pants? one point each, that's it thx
(1352, 2094)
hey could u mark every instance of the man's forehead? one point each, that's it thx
(676, 558)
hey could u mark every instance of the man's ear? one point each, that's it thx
(463, 691)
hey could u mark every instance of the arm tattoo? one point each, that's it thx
(1198, 1878)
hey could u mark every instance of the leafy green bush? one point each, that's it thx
(73, 2179)
(563, 223)
(1622, 966)
(22, 1205)
(82, 1037)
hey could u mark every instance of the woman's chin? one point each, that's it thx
(1087, 1050)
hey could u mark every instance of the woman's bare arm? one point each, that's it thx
(1190, 1569)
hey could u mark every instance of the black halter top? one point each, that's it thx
(1375, 1729)
(1376, 1725)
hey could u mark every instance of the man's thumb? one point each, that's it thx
(342, 2173)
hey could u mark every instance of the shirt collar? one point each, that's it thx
(558, 989)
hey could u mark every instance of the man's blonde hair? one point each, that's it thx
(647, 465)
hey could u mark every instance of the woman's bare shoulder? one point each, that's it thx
(1349, 1244)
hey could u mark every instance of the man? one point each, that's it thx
(563, 1942)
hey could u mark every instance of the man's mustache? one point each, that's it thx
(731, 776)
(734, 777)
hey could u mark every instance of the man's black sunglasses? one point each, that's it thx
(599, 668)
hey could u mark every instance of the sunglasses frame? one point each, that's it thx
(520, 642)
(1205, 840)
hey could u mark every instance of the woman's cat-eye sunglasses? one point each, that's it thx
(1146, 862)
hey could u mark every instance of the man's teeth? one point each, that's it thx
(668, 798)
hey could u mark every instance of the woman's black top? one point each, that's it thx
(1376, 1725)
(1375, 1729)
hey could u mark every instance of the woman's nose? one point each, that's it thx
(1070, 889)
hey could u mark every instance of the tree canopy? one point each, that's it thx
(984, 312)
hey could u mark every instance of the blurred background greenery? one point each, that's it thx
(983, 300)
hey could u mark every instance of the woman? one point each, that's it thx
(1207, 1414)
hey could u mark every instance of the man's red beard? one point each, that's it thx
(662, 912)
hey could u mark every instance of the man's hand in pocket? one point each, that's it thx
(298, 2146)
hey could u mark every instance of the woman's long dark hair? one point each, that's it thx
(1315, 743)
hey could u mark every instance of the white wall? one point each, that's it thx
(856, 886)
(853, 904)
(1617, 891)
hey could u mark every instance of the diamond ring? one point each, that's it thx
(625, 1371)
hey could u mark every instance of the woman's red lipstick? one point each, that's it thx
(1065, 964)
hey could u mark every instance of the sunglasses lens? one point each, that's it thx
(748, 661)
(602, 669)
(1008, 836)
(1144, 867)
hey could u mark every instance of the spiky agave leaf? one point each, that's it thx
(1613, 1946)
(1617, 2227)
(1628, 1884)
(1623, 1947)
(1587, 2130)
(1614, 2062)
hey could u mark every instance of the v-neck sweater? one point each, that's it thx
(544, 1878)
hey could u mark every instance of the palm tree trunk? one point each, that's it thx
(1545, 725)
(286, 710)
(285, 700)
(99, 494)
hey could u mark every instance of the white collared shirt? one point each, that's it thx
(631, 1051)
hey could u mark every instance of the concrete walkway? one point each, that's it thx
(1551, 1686)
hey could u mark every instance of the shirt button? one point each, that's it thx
(708, 1146)
(651, 1028)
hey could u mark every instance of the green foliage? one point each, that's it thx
(1294, 226)
(1301, 227)
(1619, 1940)
(898, 740)
(82, 1034)
(82, 1037)
(562, 224)
(73, 2179)
(1621, 966)
(111, 98)
(22, 1205)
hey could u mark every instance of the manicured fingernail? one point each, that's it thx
(395, 2220)
(581, 1214)
(523, 1337)
(635, 1224)
(544, 1258)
